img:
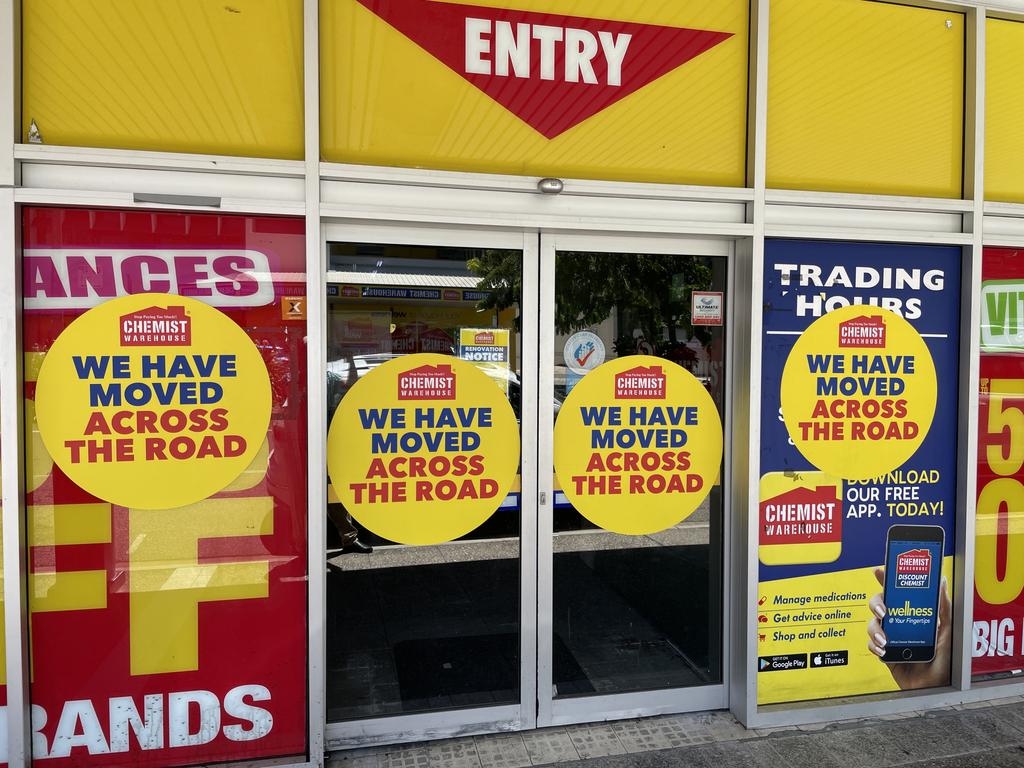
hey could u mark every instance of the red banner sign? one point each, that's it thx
(998, 645)
(166, 637)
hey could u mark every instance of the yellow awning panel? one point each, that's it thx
(486, 86)
(865, 97)
(1004, 111)
(183, 76)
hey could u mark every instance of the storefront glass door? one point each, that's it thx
(633, 394)
(431, 538)
(533, 613)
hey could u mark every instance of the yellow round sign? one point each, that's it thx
(858, 392)
(153, 401)
(423, 449)
(638, 445)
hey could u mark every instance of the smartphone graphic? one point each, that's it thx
(913, 570)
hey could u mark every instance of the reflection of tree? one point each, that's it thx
(501, 273)
(654, 289)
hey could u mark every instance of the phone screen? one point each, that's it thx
(912, 574)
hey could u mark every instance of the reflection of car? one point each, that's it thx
(346, 371)
(279, 358)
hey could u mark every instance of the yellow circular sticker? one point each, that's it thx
(153, 401)
(638, 445)
(423, 449)
(858, 392)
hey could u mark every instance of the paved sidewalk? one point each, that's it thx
(989, 735)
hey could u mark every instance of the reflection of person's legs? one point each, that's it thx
(342, 523)
(348, 533)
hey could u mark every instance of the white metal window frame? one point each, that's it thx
(31, 174)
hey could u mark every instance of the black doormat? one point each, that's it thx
(477, 666)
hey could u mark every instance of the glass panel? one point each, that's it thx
(165, 633)
(637, 612)
(189, 76)
(999, 529)
(419, 628)
(1004, 110)
(398, 91)
(865, 97)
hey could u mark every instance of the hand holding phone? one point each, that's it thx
(910, 675)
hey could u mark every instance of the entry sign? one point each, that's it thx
(153, 401)
(529, 62)
(423, 449)
(638, 445)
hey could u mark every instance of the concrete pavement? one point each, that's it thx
(987, 735)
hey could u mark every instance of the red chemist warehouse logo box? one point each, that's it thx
(156, 327)
(640, 383)
(863, 332)
(802, 516)
(549, 70)
(913, 568)
(428, 382)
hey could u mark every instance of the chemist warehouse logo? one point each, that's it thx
(428, 382)
(155, 327)
(551, 71)
(913, 568)
(640, 383)
(863, 332)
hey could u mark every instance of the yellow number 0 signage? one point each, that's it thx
(1005, 459)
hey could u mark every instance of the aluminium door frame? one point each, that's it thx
(614, 706)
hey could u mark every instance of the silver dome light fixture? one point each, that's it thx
(550, 186)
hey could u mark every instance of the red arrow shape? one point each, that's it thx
(519, 58)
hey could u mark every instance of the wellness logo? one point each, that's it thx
(640, 383)
(862, 332)
(551, 71)
(913, 568)
(156, 327)
(428, 382)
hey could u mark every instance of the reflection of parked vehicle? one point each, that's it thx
(344, 372)
(278, 351)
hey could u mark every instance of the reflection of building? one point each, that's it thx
(418, 304)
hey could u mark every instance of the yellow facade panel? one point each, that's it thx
(1004, 111)
(181, 76)
(865, 97)
(646, 92)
